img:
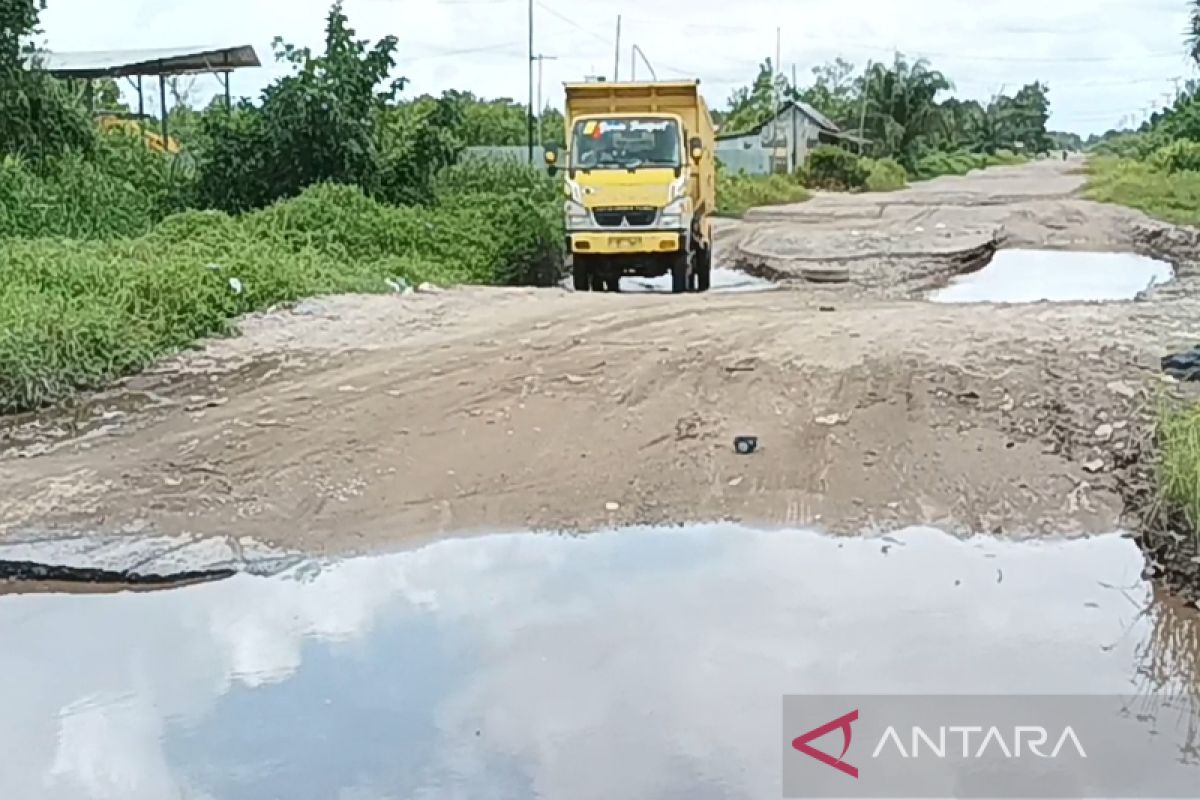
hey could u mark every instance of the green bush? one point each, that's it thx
(832, 167)
(1133, 145)
(1178, 156)
(885, 175)
(485, 176)
(1006, 158)
(736, 194)
(330, 120)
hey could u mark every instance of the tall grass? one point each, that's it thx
(1179, 462)
(76, 314)
(961, 162)
(1171, 196)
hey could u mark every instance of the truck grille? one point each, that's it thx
(634, 217)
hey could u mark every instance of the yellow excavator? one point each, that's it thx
(133, 126)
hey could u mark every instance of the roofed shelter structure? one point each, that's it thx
(160, 62)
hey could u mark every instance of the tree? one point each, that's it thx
(751, 106)
(834, 93)
(966, 125)
(323, 122)
(903, 117)
(38, 117)
(553, 128)
(106, 96)
(1193, 37)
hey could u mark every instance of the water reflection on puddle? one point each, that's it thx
(1030, 276)
(637, 663)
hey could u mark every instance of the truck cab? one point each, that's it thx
(640, 184)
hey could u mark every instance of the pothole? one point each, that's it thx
(723, 280)
(1033, 276)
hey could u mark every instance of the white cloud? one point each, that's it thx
(1103, 59)
(659, 653)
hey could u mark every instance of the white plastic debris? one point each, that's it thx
(235, 285)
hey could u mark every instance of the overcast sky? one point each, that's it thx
(1104, 60)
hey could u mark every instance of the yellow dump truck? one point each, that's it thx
(641, 183)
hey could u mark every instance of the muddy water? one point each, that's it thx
(629, 664)
(1030, 276)
(723, 280)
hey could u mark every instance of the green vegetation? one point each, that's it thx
(903, 111)
(1156, 169)
(79, 313)
(830, 167)
(1179, 462)
(736, 194)
(112, 255)
(884, 175)
(1139, 184)
(961, 162)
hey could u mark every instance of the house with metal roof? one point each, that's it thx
(781, 143)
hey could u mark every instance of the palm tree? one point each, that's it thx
(1193, 37)
(902, 106)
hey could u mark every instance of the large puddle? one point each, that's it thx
(638, 663)
(1031, 276)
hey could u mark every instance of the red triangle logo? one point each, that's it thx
(802, 743)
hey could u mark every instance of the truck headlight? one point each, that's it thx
(675, 214)
(577, 215)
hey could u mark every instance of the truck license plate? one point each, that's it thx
(624, 242)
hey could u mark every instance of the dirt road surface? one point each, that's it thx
(351, 423)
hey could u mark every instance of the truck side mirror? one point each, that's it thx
(551, 161)
(697, 149)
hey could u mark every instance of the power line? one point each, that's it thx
(574, 24)
(461, 52)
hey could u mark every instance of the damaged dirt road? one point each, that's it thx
(350, 423)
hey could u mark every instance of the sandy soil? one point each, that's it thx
(351, 423)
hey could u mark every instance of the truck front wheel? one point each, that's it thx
(680, 273)
(704, 268)
(581, 274)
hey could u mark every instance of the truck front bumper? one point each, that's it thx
(626, 242)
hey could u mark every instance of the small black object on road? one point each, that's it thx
(745, 444)
(1183, 366)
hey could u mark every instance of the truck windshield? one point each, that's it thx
(626, 143)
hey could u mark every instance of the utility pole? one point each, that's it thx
(793, 166)
(529, 116)
(862, 114)
(776, 74)
(617, 53)
(540, 108)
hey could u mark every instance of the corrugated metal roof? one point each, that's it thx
(822, 121)
(159, 61)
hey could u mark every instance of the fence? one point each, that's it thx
(517, 153)
(751, 161)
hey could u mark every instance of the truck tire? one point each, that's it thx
(704, 269)
(581, 274)
(680, 277)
